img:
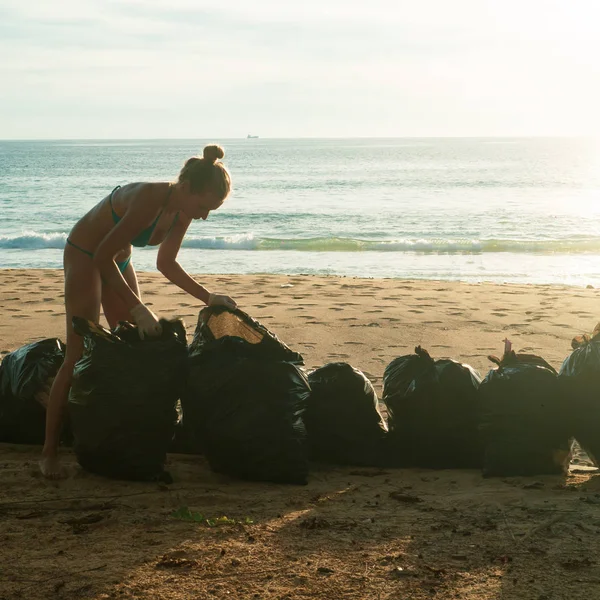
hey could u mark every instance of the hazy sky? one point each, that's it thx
(188, 68)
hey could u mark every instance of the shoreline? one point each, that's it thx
(573, 270)
(365, 278)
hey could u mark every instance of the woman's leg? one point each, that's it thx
(114, 308)
(82, 298)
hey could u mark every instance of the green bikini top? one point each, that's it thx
(143, 238)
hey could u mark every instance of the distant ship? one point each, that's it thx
(252, 137)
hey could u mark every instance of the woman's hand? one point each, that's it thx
(221, 300)
(146, 321)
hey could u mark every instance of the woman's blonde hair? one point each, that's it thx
(207, 173)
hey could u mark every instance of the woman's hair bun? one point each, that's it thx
(212, 153)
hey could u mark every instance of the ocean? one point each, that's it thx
(469, 209)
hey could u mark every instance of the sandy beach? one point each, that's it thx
(350, 533)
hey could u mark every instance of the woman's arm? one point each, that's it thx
(166, 261)
(139, 215)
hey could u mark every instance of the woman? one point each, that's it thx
(98, 268)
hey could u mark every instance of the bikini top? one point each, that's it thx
(143, 238)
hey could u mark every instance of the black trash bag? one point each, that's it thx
(241, 334)
(342, 419)
(123, 397)
(27, 375)
(579, 376)
(246, 415)
(432, 410)
(524, 423)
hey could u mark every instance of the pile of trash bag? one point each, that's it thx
(342, 419)
(26, 376)
(579, 376)
(433, 410)
(245, 399)
(123, 398)
(523, 418)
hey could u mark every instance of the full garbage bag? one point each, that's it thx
(26, 376)
(433, 411)
(524, 423)
(123, 398)
(245, 399)
(579, 376)
(343, 421)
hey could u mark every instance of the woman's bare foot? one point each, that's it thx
(50, 467)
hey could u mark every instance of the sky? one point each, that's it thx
(317, 68)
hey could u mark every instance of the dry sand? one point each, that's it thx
(351, 532)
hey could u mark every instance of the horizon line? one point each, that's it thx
(364, 137)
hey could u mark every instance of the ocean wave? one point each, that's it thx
(422, 245)
(232, 242)
(433, 246)
(30, 240)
